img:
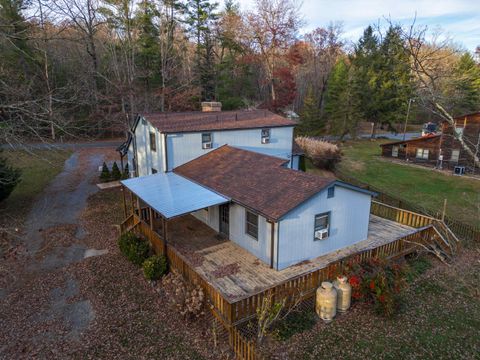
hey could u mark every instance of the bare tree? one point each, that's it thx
(273, 29)
(427, 60)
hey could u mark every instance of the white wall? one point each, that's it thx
(148, 159)
(349, 218)
(184, 147)
(261, 248)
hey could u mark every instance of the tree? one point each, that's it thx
(425, 59)
(310, 118)
(465, 86)
(200, 17)
(9, 178)
(341, 103)
(273, 27)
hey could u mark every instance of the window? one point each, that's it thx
(322, 226)
(154, 171)
(395, 151)
(331, 192)
(251, 224)
(265, 136)
(455, 156)
(422, 154)
(153, 143)
(206, 140)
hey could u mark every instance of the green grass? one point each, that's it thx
(439, 319)
(38, 170)
(422, 187)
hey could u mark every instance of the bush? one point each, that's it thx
(324, 155)
(133, 248)
(9, 178)
(116, 174)
(295, 322)
(378, 282)
(105, 174)
(155, 267)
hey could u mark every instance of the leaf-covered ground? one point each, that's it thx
(439, 319)
(56, 304)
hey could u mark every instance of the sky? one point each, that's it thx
(459, 19)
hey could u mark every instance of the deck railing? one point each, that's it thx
(231, 314)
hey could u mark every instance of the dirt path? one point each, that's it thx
(68, 293)
(52, 241)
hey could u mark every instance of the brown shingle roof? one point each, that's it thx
(426, 137)
(222, 120)
(254, 180)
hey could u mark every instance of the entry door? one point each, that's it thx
(224, 219)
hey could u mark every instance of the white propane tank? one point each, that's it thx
(344, 293)
(326, 303)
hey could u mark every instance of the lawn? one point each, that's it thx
(423, 187)
(38, 170)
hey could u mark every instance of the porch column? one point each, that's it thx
(150, 214)
(122, 189)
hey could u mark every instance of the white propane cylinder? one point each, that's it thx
(344, 293)
(326, 303)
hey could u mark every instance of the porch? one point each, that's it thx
(237, 274)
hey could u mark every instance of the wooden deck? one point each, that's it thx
(237, 274)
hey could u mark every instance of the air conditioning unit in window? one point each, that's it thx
(207, 145)
(321, 234)
(265, 140)
(459, 170)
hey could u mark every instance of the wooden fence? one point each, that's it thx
(233, 314)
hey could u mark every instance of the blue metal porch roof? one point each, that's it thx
(173, 195)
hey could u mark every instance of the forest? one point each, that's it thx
(78, 68)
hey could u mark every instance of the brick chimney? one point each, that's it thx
(210, 106)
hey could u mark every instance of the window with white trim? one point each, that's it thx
(251, 224)
(153, 142)
(422, 154)
(455, 156)
(206, 140)
(265, 136)
(395, 151)
(331, 192)
(322, 226)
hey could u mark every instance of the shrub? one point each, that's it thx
(116, 174)
(302, 166)
(324, 155)
(105, 174)
(155, 267)
(9, 178)
(295, 322)
(126, 172)
(378, 282)
(133, 248)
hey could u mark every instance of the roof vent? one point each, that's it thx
(209, 106)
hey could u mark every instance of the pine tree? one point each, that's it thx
(466, 86)
(105, 174)
(9, 178)
(310, 117)
(200, 16)
(341, 104)
(115, 175)
(126, 172)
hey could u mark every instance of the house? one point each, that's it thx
(443, 150)
(160, 142)
(281, 216)
(452, 150)
(424, 149)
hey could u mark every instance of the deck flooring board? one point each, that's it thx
(238, 274)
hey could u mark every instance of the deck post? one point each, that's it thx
(122, 189)
(132, 202)
(150, 214)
